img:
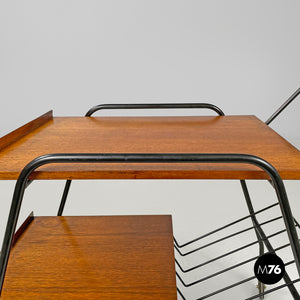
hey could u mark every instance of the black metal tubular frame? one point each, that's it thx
(258, 230)
(145, 158)
(137, 106)
(261, 237)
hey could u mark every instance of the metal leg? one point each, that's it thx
(263, 238)
(260, 285)
(64, 197)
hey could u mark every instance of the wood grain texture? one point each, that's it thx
(17, 134)
(110, 257)
(204, 134)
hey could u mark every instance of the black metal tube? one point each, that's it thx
(64, 197)
(251, 211)
(155, 106)
(145, 158)
(283, 106)
(253, 218)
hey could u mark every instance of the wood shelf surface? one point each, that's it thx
(204, 134)
(93, 257)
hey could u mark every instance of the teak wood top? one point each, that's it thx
(203, 134)
(107, 257)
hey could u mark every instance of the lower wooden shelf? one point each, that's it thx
(93, 257)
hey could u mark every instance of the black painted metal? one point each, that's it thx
(258, 230)
(262, 237)
(251, 211)
(155, 106)
(274, 289)
(226, 237)
(224, 227)
(29, 182)
(228, 268)
(64, 197)
(224, 255)
(180, 293)
(259, 238)
(296, 222)
(233, 285)
(283, 106)
(139, 106)
(145, 158)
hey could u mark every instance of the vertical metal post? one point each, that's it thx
(64, 198)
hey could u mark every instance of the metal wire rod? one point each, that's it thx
(232, 285)
(222, 256)
(227, 237)
(223, 227)
(231, 267)
(283, 106)
(180, 293)
(297, 224)
(272, 290)
(237, 249)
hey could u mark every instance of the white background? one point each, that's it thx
(70, 55)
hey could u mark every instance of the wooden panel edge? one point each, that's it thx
(17, 134)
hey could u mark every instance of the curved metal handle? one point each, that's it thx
(155, 106)
(144, 158)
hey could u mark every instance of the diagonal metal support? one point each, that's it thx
(283, 106)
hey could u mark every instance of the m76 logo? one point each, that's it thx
(269, 269)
